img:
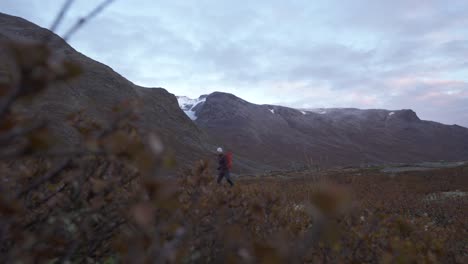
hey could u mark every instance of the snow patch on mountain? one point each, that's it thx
(391, 113)
(188, 105)
(272, 111)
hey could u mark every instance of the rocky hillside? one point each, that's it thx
(97, 92)
(282, 137)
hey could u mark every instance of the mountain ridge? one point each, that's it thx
(280, 136)
(263, 137)
(409, 113)
(96, 92)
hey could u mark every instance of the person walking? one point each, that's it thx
(224, 166)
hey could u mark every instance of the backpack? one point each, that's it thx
(229, 160)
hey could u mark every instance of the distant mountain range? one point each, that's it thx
(262, 137)
(282, 137)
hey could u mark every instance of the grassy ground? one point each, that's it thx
(333, 216)
(371, 216)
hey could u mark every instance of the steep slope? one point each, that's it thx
(97, 91)
(282, 137)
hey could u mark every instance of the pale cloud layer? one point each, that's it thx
(362, 53)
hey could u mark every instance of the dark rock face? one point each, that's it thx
(97, 91)
(281, 137)
(408, 115)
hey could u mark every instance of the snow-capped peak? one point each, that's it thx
(188, 105)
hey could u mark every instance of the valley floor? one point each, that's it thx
(332, 216)
(367, 215)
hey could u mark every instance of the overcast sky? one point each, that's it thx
(358, 53)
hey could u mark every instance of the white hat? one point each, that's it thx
(220, 150)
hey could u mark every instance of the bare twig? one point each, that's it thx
(45, 200)
(108, 235)
(50, 175)
(82, 21)
(60, 16)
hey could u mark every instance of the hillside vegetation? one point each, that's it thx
(102, 210)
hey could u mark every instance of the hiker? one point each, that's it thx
(224, 165)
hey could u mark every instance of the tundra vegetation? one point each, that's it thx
(109, 201)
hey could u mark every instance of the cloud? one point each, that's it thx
(360, 53)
